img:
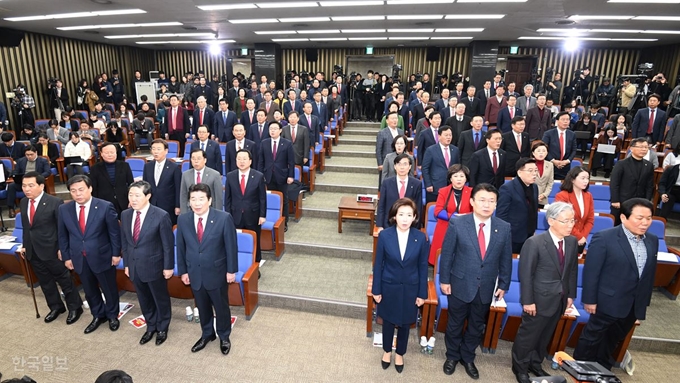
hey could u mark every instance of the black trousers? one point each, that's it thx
(217, 299)
(73, 169)
(666, 208)
(517, 247)
(402, 337)
(283, 188)
(597, 161)
(91, 284)
(617, 215)
(533, 337)
(601, 336)
(50, 273)
(178, 136)
(583, 145)
(12, 194)
(461, 346)
(154, 300)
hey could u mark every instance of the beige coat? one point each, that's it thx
(545, 183)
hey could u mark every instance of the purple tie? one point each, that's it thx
(274, 151)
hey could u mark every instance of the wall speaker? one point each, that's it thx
(10, 37)
(312, 54)
(433, 53)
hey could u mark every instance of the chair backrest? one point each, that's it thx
(542, 223)
(223, 149)
(83, 114)
(658, 228)
(136, 165)
(8, 162)
(553, 192)
(431, 222)
(187, 152)
(60, 148)
(42, 123)
(186, 165)
(298, 173)
(18, 228)
(173, 149)
(576, 162)
(602, 221)
(246, 249)
(579, 278)
(513, 293)
(601, 196)
(274, 205)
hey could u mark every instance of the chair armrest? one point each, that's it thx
(431, 294)
(251, 292)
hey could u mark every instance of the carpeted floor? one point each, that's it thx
(276, 346)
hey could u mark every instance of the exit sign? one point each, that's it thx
(369, 50)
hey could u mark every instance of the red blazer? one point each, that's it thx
(584, 221)
(493, 107)
(442, 225)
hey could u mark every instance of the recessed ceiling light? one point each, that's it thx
(155, 35)
(108, 26)
(633, 39)
(419, 2)
(363, 31)
(187, 42)
(221, 7)
(492, 1)
(319, 31)
(562, 30)
(450, 38)
(357, 18)
(76, 15)
(414, 17)
(328, 39)
(615, 31)
(344, 3)
(658, 18)
(454, 30)
(275, 32)
(676, 32)
(289, 40)
(412, 30)
(580, 38)
(288, 4)
(474, 17)
(409, 38)
(645, 1)
(598, 17)
(366, 38)
(253, 21)
(304, 19)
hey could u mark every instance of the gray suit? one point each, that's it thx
(673, 135)
(522, 103)
(209, 177)
(547, 285)
(301, 144)
(383, 145)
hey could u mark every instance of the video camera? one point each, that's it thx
(338, 69)
(52, 82)
(396, 68)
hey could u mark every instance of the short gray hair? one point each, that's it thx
(556, 208)
(528, 86)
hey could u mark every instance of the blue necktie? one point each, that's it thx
(202, 146)
(476, 140)
(224, 117)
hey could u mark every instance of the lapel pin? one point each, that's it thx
(416, 240)
(211, 221)
(495, 231)
(95, 207)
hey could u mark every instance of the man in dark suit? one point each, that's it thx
(293, 104)
(548, 269)
(176, 126)
(245, 197)
(458, 92)
(468, 273)
(269, 107)
(232, 93)
(436, 163)
(518, 203)
(403, 185)
(11, 148)
(419, 108)
(104, 186)
(165, 178)
(459, 122)
(202, 116)
(200, 174)
(41, 248)
(277, 163)
(516, 145)
(207, 259)
(598, 118)
(561, 145)
(538, 119)
(493, 106)
(618, 278)
(249, 116)
(47, 149)
(89, 240)
(260, 129)
(239, 142)
(650, 121)
(383, 144)
(203, 90)
(443, 101)
(428, 137)
(450, 109)
(30, 162)
(223, 123)
(299, 136)
(632, 177)
(320, 110)
(471, 140)
(211, 148)
(472, 104)
(506, 115)
(487, 165)
(149, 256)
(311, 122)
(483, 95)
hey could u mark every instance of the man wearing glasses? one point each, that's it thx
(632, 177)
(518, 203)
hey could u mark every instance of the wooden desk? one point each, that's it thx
(349, 208)
(667, 277)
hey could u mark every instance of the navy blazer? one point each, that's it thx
(389, 194)
(314, 130)
(287, 108)
(461, 264)
(434, 166)
(641, 123)
(250, 206)
(212, 152)
(481, 168)
(425, 140)
(42, 166)
(246, 121)
(154, 250)
(473, 108)
(16, 151)
(281, 168)
(399, 281)
(253, 133)
(513, 208)
(440, 104)
(208, 116)
(223, 129)
(101, 240)
(230, 154)
(165, 195)
(504, 121)
(207, 262)
(610, 275)
(466, 145)
(322, 113)
(552, 138)
(446, 113)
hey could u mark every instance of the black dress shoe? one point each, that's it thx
(538, 371)
(54, 314)
(522, 377)
(385, 365)
(450, 366)
(114, 324)
(399, 367)
(471, 370)
(146, 337)
(161, 337)
(12, 213)
(200, 345)
(74, 315)
(225, 346)
(94, 324)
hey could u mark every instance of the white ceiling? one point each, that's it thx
(522, 19)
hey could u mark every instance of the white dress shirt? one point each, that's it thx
(205, 220)
(144, 210)
(402, 237)
(486, 229)
(36, 202)
(87, 209)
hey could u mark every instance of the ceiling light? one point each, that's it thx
(597, 17)
(492, 1)
(211, 35)
(658, 18)
(615, 31)
(363, 31)
(221, 7)
(107, 26)
(645, 1)
(571, 45)
(357, 18)
(289, 40)
(562, 30)
(454, 30)
(409, 38)
(414, 30)
(187, 42)
(366, 38)
(403, 2)
(215, 49)
(579, 38)
(475, 17)
(633, 39)
(414, 17)
(450, 38)
(253, 21)
(349, 3)
(289, 4)
(319, 31)
(329, 39)
(663, 32)
(304, 19)
(76, 15)
(275, 32)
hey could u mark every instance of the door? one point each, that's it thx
(519, 72)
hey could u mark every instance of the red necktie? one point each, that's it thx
(243, 184)
(200, 120)
(519, 143)
(560, 254)
(482, 240)
(495, 163)
(31, 212)
(198, 178)
(274, 151)
(447, 159)
(512, 113)
(402, 189)
(138, 227)
(650, 128)
(292, 132)
(309, 122)
(199, 229)
(81, 219)
(268, 108)
(561, 145)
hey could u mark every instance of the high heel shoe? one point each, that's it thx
(399, 367)
(386, 365)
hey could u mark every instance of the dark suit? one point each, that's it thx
(321, 113)
(472, 280)
(246, 121)
(641, 124)
(481, 95)
(514, 208)
(552, 138)
(222, 127)
(546, 284)
(439, 105)
(472, 108)
(504, 122)
(42, 166)
(16, 151)
(458, 127)
(92, 252)
(41, 244)
(253, 133)
(165, 195)
(287, 108)
(418, 112)
(599, 119)
(52, 152)
(435, 170)
(512, 152)
(301, 144)
(535, 125)
(246, 208)
(447, 113)
(630, 178)
(230, 154)
(208, 116)
(178, 131)
(426, 138)
(273, 107)
(115, 191)
(383, 144)
(213, 153)
(481, 168)
(207, 263)
(145, 260)
(277, 170)
(389, 194)
(314, 129)
(466, 145)
(613, 282)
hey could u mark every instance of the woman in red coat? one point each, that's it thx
(575, 191)
(452, 199)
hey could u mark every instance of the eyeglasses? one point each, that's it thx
(485, 201)
(530, 170)
(640, 147)
(567, 222)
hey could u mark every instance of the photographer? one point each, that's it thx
(579, 85)
(23, 103)
(356, 95)
(553, 88)
(604, 92)
(3, 116)
(659, 85)
(118, 90)
(674, 102)
(57, 95)
(367, 88)
(627, 95)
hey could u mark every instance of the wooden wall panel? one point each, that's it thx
(666, 59)
(39, 57)
(178, 62)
